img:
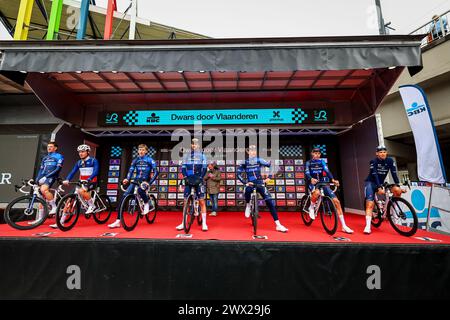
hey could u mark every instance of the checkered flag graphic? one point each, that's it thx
(322, 147)
(151, 151)
(116, 151)
(291, 151)
(298, 116)
(131, 118)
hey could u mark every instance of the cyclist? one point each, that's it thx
(252, 167)
(379, 169)
(194, 168)
(89, 169)
(316, 170)
(142, 166)
(49, 170)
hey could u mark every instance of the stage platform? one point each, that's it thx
(223, 263)
(233, 226)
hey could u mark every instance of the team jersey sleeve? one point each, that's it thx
(41, 168)
(154, 170)
(327, 170)
(307, 171)
(131, 170)
(73, 172)
(240, 171)
(204, 166)
(266, 164)
(96, 170)
(374, 174)
(394, 173)
(184, 166)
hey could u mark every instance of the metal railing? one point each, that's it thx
(434, 29)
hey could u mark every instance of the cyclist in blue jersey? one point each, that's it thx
(379, 169)
(316, 170)
(49, 170)
(194, 167)
(252, 168)
(141, 170)
(89, 169)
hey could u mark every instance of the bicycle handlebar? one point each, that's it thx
(320, 185)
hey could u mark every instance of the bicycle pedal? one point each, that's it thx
(87, 215)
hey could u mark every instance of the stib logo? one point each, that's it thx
(415, 109)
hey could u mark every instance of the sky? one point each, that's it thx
(284, 18)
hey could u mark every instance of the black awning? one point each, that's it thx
(252, 55)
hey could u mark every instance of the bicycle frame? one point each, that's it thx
(94, 196)
(36, 193)
(319, 186)
(137, 195)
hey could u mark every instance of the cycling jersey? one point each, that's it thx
(252, 168)
(379, 169)
(317, 169)
(51, 165)
(194, 165)
(89, 169)
(143, 167)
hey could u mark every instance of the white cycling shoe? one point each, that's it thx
(281, 228)
(367, 230)
(204, 227)
(180, 227)
(347, 230)
(115, 224)
(247, 211)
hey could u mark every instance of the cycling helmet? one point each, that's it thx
(381, 148)
(83, 147)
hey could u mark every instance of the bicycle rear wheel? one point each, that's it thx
(188, 214)
(328, 215)
(129, 212)
(304, 206)
(23, 213)
(151, 216)
(402, 216)
(254, 214)
(103, 209)
(67, 212)
(377, 215)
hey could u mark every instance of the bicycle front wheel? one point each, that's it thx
(402, 216)
(328, 215)
(103, 209)
(67, 212)
(254, 214)
(26, 213)
(188, 214)
(129, 212)
(304, 207)
(151, 216)
(377, 215)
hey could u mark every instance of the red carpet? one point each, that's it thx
(233, 226)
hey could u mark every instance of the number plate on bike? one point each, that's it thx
(260, 237)
(109, 234)
(43, 234)
(428, 239)
(183, 235)
(342, 239)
